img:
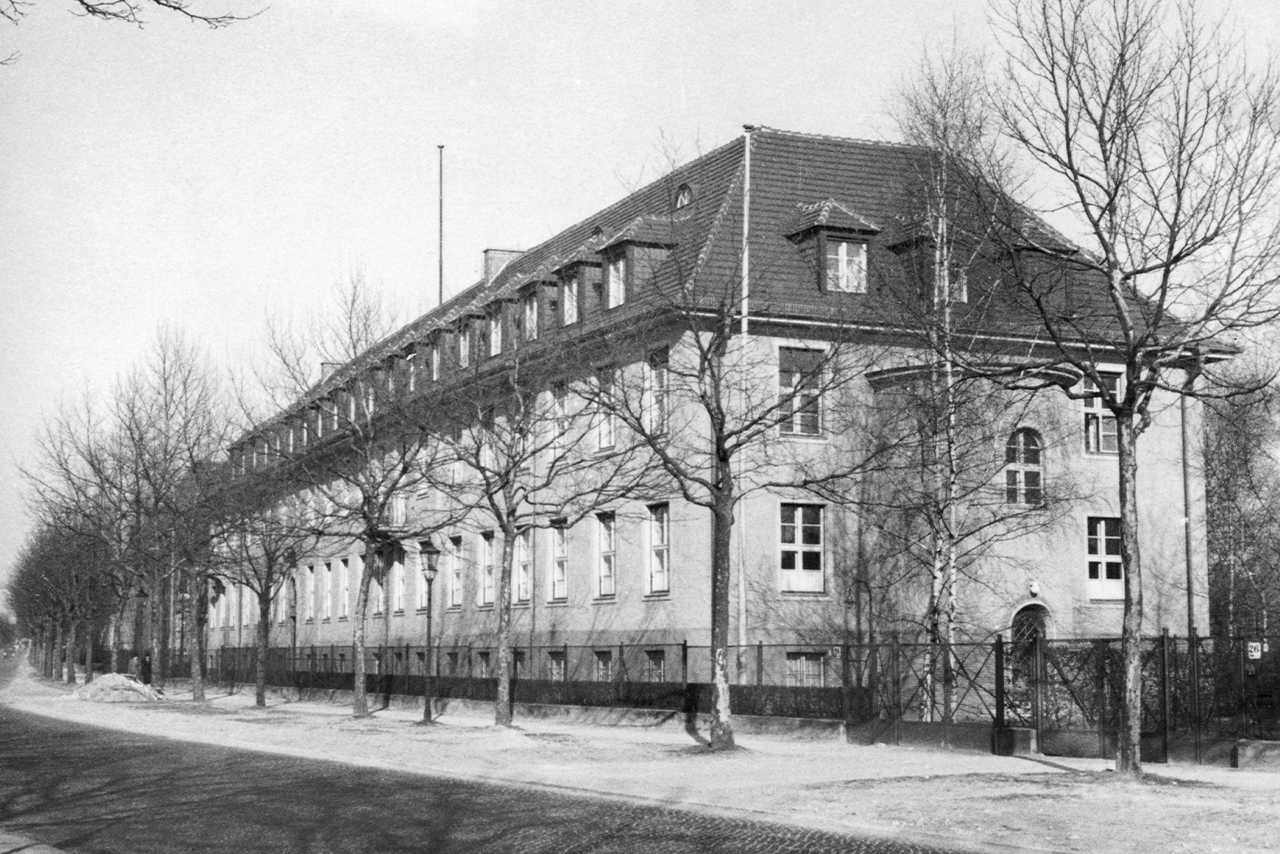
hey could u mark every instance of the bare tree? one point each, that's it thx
(349, 431)
(525, 460)
(1156, 133)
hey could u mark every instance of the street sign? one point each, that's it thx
(1254, 650)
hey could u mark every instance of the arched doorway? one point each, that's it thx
(1031, 622)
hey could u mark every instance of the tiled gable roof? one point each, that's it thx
(828, 213)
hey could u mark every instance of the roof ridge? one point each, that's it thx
(836, 138)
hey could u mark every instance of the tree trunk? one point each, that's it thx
(360, 699)
(71, 653)
(54, 670)
(264, 641)
(88, 653)
(200, 623)
(722, 520)
(502, 702)
(1129, 737)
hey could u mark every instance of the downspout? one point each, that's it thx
(746, 290)
(1187, 388)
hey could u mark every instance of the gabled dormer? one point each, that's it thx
(835, 239)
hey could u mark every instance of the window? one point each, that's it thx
(529, 327)
(560, 416)
(524, 564)
(602, 670)
(484, 665)
(659, 543)
(282, 603)
(655, 665)
(486, 568)
(684, 196)
(344, 587)
(464, 345)
(606, 523)
(397, 586)
(556, 670)
(412, 367)
(805, 669)
(801, 558)
(434, 352)
(420, 581)
(495, 332)
(1106, 571)
(311, 593)
(326, 597)
(799, 381)
(1099, 423)
(846, 266)
(608, 422)
(656, 386)
(398, 510)
(1022, 468)
(616, 281)
(451, 664)
(569, 301)
(455, 572)
(560, 563)
(379, 596)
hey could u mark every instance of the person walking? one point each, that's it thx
(146, 668)
(135, 667)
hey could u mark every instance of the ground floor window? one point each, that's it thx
(655, 665)
(603, 670)
(484, 665)
(805, 669)
(556, 666)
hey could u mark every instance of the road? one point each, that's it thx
(86, 789)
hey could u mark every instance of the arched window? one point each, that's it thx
(1023, 472)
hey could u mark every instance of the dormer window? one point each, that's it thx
(529, 316)
(464, 345)
(684, 196)
(846, 267)
(434, 350)
(616, 281)
(569, 300)
(495, 331)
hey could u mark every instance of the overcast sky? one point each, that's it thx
(207, 179)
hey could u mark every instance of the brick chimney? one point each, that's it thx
(495, 260)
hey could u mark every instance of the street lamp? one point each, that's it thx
(430, 566)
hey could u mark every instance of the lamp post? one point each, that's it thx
(430, 566)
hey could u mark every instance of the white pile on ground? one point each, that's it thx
(117, 688)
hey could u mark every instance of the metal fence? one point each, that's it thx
(1194, 691)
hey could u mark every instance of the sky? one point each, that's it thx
(206, 180)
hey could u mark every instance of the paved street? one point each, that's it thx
(91, 790)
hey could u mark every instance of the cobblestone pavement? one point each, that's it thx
(90, 790)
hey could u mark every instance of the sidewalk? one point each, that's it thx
(954, 798)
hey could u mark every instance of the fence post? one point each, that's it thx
(1166, 705)
(895, 674)
(1193, 668)
(684, 664)
(1101, 651)
(564, 681)
(759, 664)
(1037, 688)
(1000, 686)
(846, 686)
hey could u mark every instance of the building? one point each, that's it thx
(817, 241)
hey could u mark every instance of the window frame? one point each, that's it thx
(524, 566)
(842, 282)
(456, 579)
(558, 590)
(793, 418)
(798, 578)
(659, 550)
(606, 555)
(570, 308)
(1020, 471)
(616, 271)
(1101, 533)
(1097, 416)
(487, 587)
(529, 316)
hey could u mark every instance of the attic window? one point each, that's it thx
(846, 266)
(684, 196)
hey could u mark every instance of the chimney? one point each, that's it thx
(497, 259)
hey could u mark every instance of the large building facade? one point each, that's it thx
(811, 241)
